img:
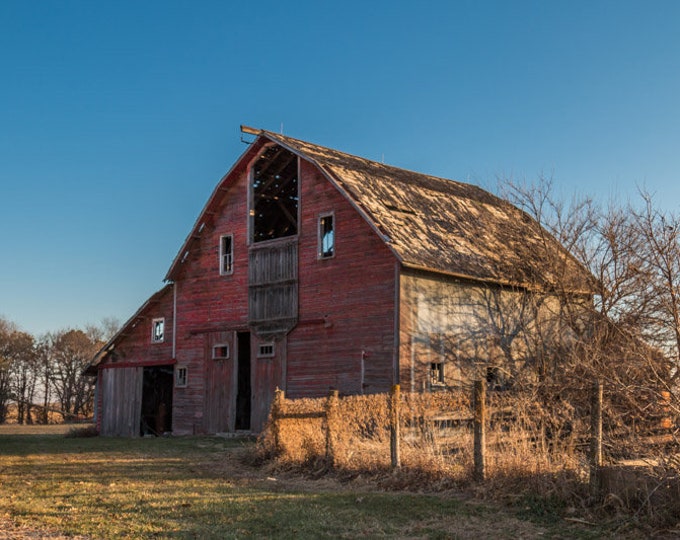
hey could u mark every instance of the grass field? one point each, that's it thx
(200, 487)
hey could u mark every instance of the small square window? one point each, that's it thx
(227, 254)
(265, 350)
(326, 236)
(158, 330)
(181, 376)
(221, 351)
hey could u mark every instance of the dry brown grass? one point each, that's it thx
(436, 436)
(535, 449)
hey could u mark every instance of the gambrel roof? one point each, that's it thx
(433, 224)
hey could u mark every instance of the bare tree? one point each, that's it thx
(6, 329)
(103, 331)
(72, 351)
(24, 374)
(659, 265)
(627, 334)
(45, 367)
(17, 371)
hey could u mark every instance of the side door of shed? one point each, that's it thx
(121, 401)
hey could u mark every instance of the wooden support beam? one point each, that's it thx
(250, 130)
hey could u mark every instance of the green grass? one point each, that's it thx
(198, 487)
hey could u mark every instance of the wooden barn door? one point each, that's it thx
(218, 413)
(272, 313)
(122, 401)
(266, 377)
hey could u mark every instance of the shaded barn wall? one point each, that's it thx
(453, 331)
(119, 391)
(346, 303)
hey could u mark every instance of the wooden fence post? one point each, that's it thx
(331, 426)
(395, 403)
(479, 405)
(277, 412)
(595, 438)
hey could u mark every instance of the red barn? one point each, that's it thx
(310, 269)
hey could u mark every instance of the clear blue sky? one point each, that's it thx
(118, 118)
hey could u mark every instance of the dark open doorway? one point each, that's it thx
(243, 382)
(156, 401)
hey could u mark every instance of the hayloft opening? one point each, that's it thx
(274, 195)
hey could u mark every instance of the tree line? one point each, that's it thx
(43, 375)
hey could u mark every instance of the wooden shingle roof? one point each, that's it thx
(446, 226)
(429, 223)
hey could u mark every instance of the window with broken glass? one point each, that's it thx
(158, 330)
(226, 254)
(436, 373)
(326, 236)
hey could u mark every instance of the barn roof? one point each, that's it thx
(432, 223)
(446, 226)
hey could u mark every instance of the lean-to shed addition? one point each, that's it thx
(310, 269)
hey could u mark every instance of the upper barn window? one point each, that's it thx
(274, 195)
(158, 330)
(227, 254)
(326, 236)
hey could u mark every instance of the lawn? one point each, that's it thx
(200, 487)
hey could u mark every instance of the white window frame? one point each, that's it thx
(227, 269)
(181, 376)
(319, 235)
(266, 353)
(217, 346)
(154, 324)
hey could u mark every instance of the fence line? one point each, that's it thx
(479, 407)
(480, 419)
(595, 454)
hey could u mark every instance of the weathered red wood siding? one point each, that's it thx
(218, 406)
(345, 337)
(347, 303)
(136, 349)
(208, 302)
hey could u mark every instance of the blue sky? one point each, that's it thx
(117, 119)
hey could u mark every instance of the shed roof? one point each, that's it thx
(125, 329)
